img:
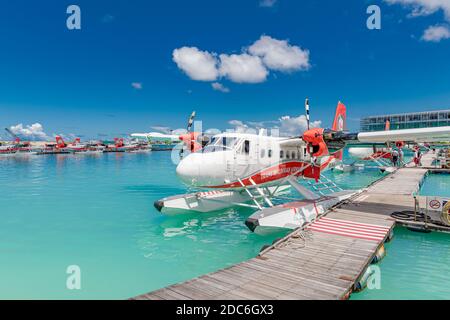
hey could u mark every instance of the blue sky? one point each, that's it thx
(80, 81)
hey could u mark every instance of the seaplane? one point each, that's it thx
(75, 147)
(166, 142)
(134, 147)
(7, 149)
(156, 137)
(378, 155)
(257, 171)
(18, 147)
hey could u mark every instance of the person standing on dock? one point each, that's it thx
(395, 157)
(417, 156)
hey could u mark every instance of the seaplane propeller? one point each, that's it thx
(322, 142)
(193, 141)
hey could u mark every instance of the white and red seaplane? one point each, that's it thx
(253, 170)
(75, 147)
(17, 147)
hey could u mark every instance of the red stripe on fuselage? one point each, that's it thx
(273, 173)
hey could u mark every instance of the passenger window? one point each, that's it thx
(246, 147)
(269, 153)
(263, 153)
(281, 154)
(293, 154)
(287, 155)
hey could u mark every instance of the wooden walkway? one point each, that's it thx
(308, 265)
(324, 261)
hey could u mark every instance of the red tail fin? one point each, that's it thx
(340, 124)
(118, 142)
(340, 118)
(60, 142)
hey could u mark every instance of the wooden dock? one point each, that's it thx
(308, 265)
(323, 261)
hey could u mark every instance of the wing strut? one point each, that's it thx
(261, 193)
(250, 194)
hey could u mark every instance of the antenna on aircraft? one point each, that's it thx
(307, 112)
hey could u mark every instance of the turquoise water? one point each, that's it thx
(97, 212)
(416, 267)
(417, 264)
(436, 184)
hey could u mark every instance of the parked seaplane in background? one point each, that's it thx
(93, 147)
(75, 147)
(156, 137)
(193, 141)
(255, 170)
(134, 146)
(17, 147)
(373, 155)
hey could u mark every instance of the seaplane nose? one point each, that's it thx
(188, 171)
(202, 169)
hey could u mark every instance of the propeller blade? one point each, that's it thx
(190, 121)
(307, 112)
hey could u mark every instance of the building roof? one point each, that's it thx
(407, 113)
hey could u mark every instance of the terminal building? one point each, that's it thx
(411, 120)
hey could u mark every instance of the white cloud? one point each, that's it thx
(424, 7)
(267, 3)
(436, 33)
(292, 126)
(280, 55)
(198, 65)
(242, 68)
(30, 132)
(220, 87)
(287, 126)
(237, 123)
(251, 66)
(239, 126)
(137, 85)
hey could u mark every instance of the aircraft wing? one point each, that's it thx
(139, 135)
(156, 136)
(407, 135)
(292, 142)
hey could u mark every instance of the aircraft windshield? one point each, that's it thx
(220, 144)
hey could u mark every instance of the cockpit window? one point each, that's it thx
(246, 147)
(220, 144)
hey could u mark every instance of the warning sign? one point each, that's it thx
(442, 205)
(435, 204)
